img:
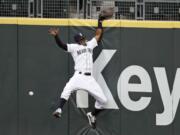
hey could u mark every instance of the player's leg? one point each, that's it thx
(101, 100)
(77, 81)
(99, 105)
(99, 96)
(96, 111)
(68, 89)
(98, 108)
(62, 100)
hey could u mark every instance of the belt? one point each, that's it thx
(85, 73)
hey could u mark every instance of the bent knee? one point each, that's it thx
(104, 100)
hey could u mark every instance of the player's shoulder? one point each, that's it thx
(92, 40)
(92, 43)
(73, 44)
(72, 47)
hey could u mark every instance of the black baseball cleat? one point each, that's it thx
(57, 113)
(91, 119)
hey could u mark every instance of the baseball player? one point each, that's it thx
(82, 53)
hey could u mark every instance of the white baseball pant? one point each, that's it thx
(87, 83)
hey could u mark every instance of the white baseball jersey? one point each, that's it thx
(83, 60)
(82, 55)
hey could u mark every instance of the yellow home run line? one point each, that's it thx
(89, 23)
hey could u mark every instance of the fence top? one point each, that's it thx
(89, 22)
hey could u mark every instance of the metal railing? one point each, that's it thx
(124, 9)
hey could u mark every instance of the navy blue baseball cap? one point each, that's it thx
(78, 37)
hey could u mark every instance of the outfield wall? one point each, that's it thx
(137, 65)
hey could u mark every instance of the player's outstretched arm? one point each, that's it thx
(99, 30)
(54, 32)
(104, 15)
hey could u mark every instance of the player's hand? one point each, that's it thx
(53, 31)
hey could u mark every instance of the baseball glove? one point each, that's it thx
(106, 14)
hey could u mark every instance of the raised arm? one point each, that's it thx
(54, 32)
(99, 30)
(105, 14)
